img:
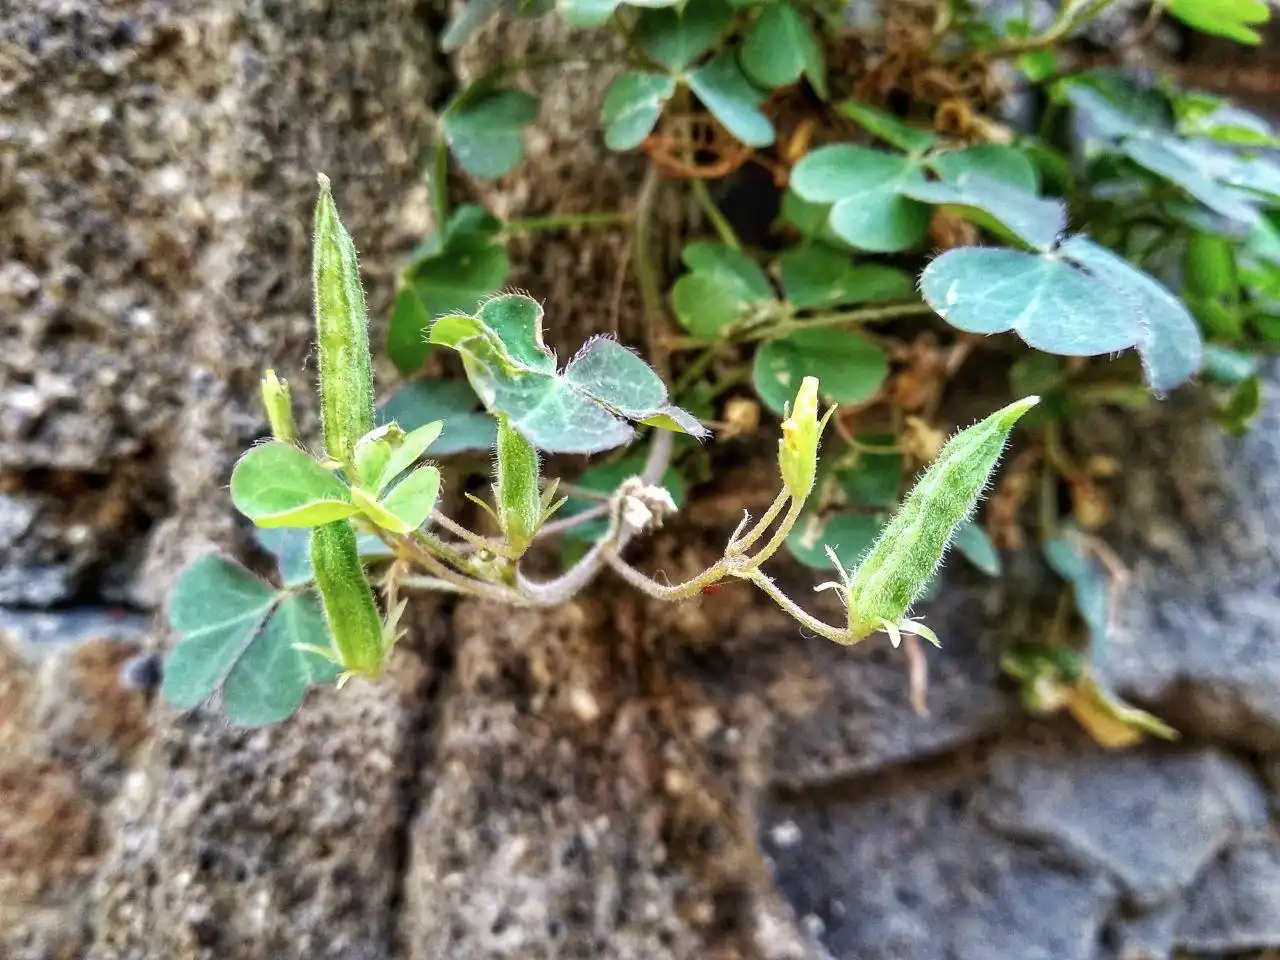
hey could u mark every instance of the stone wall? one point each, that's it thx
(614, 779)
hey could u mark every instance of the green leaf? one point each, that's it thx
(596, 13)
(718, 258)
(729, 95)
(676, 37)
(870, 479)
(632, 105)
(994, 160)
(1209, 266)
(849, 368)
(818, 276)
(723, 285)
(473, 15)
(414, 497)
(1088, 579)
(1039, 65)
(609, 372)
(1224, 365)
(1169, 341)
(888, 128)
(1115, 106)
(453, 403)
(290, 546)
(513, 373)
(277, 485)
(485, 131)
(605, 479)
(1242, 407)
(995, 204)
(237, 638)
(778, 47)
(1233, 19)
(1167, 159)
(1051, 305)
(972, 543)
(848, 534)
(864, 187)
(450, 272)
(413, 446)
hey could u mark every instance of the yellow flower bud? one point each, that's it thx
(798, 448)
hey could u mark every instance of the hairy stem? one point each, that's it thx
(565, 221)
(794, 610)
(718, 221)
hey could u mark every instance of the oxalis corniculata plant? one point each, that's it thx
(1128, 237)
(260, 646)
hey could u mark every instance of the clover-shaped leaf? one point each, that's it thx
(676, 38)
(585, 409)
(721, 287)
(277, 485)
(996, 205)
(632, 105)
(725, 90)
(1169, 159)
(866, 190)
(819, 276)
(1114, 106)
(779, 47)
(484, 130)
(239, 640)
(887, 127)
(849, 368)
(1050, 304)
(994, 160)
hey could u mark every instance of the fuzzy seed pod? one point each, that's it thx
(349, 606)
(516, 490)
(901, 562)
(342, 333)
(278, 401)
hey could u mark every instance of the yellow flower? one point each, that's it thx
(798, 448)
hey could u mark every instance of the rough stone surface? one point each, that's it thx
(615, 779)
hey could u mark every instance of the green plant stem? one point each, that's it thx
(566, 221)
(435, 584)
(836, 318)
(694, 371)
(423, 556)
(747, 541)
(1072, 14)
(779, 536)
(556, 527)
(722, 226)
(473, 539)
(655, 319)
(440, 184)
(795, 611)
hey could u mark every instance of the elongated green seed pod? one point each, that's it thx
(348, 601)
(516, 489)
(901, 562)
(278, 402)
(342, 333)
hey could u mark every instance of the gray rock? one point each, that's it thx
(1119, 811)
(1235, 905)
(903, 866)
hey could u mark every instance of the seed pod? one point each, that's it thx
(349, 606)
(278, 401)
(516, 489)
(342, 333)
(901, 562)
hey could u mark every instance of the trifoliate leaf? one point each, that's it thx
(290, 546)
(819, 276)
(277, 485)
(996, 205)
(237, 638)
(728, 94)
(632, 105)
(411, 447)
(676, 38)
(719, 258)
(513, 373)
(778, 46)
(722, 286)
(864, 186)
(464, 426)
(1167, 159)
(1114, 106)
(849, 368)
(1050, 304)
(485, 131)
(887, 127)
